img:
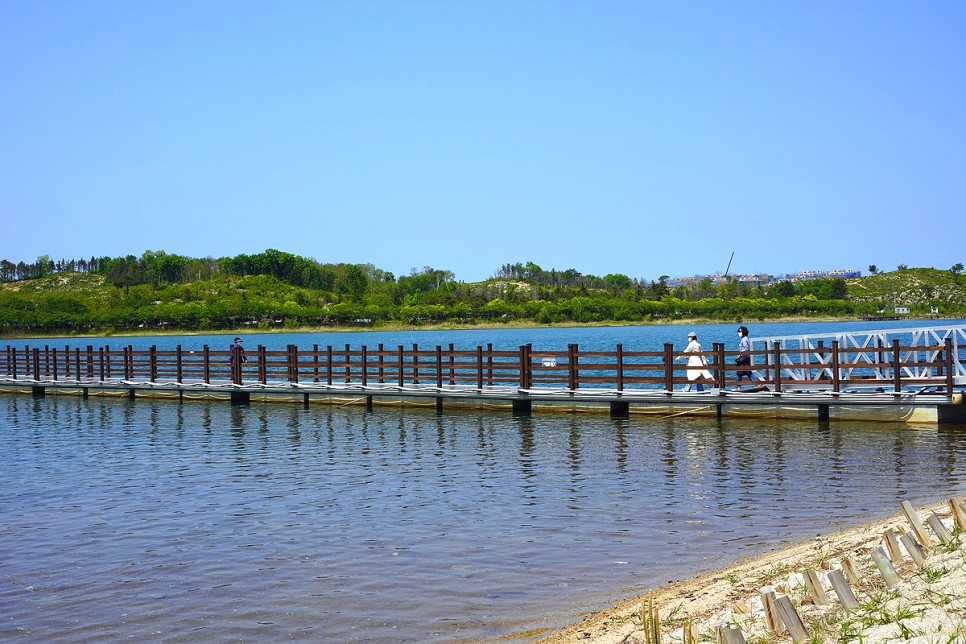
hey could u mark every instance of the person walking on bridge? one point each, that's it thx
(236, 353)
(696, 363)
(744, 358)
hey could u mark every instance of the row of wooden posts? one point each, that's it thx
(780, 613)
(525, 367)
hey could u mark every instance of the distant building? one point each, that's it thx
(841, 273)
(757, 279)
(902, 310)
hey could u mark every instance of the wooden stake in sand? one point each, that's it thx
(941, 531)
(848, 567)
(772, 622)
(815, 589)
(842, 589)
(730, 635)
(959, 514)
(917, 528)
(791, 618)
(913, 548)
(892, 546)
(885, 566)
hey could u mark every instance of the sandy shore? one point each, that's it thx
(927, 604)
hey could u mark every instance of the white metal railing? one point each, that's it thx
(808, 357)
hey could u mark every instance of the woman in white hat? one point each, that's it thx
(696, 363)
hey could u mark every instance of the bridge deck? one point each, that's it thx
(909, 375)
(928, 405)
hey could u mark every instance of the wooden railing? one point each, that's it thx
(828, 368)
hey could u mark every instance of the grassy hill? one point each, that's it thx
(88, 303)
(913, 287)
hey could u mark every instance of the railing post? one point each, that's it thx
(452, 365)
(328, 364)
(439, 367)
(523, 366)
(668, 366)
(54, 356)
(776, 349)
(262, 364)
(382, 365)
(179, 364)
(46, 361)
(36, 368)
(90, 362)
(489, 364)
(154, 363)
(720, 377)
(620, 367)
(100, 363)
(348, 368)
(365, 366)
(293, 361)
(573, 370)
(836, 376)
(206, 364)
(13, 361)
(315, 363)
(479, 367)
(896, 366)
(107, 364)
(415, 364)
(948, 362)
(129, 375)
(77, 363)
(399, 352)
(767, 361)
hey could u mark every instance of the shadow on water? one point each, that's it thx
(297, 522)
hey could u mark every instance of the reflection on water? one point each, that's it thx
(152, 519)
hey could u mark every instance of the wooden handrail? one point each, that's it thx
(525, 367)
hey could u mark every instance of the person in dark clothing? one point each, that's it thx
(237, 351)
(744, 359)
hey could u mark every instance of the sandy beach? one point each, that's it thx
(925, 602)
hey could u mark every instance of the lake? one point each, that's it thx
(155, 520)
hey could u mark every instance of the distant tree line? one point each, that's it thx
(273, 288)
(10, 272)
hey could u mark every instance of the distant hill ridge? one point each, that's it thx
(72, 302)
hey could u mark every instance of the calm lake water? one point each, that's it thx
(161, 521)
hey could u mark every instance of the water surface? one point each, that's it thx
(162, 521)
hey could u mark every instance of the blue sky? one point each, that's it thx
(621, 137)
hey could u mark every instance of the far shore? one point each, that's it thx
(393, 327)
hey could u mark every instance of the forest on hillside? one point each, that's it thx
(165, 291)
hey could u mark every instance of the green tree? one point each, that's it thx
(354, 282)
(618, 281)
(956, 270)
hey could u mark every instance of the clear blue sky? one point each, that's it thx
(617, 137)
